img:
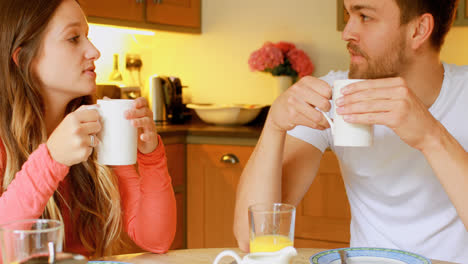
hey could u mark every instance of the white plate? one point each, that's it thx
(368, 256)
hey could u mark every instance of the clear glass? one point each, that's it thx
(31, 240)
(271, 226)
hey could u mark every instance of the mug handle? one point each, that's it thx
(332, 126)
(227, 253)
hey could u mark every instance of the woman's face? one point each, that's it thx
(65, 61)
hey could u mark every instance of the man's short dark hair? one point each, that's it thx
(443, 12)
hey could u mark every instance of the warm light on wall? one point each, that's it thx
(110, 40)
(122, 30)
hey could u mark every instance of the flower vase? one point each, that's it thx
(283, 82)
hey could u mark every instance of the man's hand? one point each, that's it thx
(391, 103)
(296, 106)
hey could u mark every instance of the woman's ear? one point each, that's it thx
(15, 55)
(421, 30)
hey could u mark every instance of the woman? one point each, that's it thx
(47, 165)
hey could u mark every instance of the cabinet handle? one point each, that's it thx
(139, 1)
(157, 2)
(230, 158)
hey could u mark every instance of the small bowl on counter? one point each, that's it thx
(227, 114)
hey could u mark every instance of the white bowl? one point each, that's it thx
(232, 114)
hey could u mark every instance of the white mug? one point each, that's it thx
(346, 134)
(118, 138)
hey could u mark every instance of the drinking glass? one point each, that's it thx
(33, 240)
(271, 226)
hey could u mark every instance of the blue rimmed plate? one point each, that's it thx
(369, 256)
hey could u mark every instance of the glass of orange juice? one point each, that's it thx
(271, 226)
(31, 240)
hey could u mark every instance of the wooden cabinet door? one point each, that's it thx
(175, 154)
(174, 12)
(323, 216)
(130, 10)
(466, 8)
(211, 194)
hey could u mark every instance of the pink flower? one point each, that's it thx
(282, 58)
(300, 62)
(267, 57)
(285, 47)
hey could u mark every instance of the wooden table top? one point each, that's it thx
(207, 256)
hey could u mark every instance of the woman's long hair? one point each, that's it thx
(94, 202)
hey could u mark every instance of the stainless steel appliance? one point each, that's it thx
(166, 100)
(156, 89)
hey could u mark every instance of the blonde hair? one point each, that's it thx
(93, 188)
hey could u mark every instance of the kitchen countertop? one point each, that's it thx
(196, 131)
(210, 130)
(200, 133)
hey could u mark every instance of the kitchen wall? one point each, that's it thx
(214, 63)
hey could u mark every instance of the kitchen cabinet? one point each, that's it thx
(114, 9)
(184, 13)
(341, 15)
(462, 14)
(175, 154)
(322, 218)
(172, 15)
(211, 193)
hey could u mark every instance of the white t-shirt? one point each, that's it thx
(396, 199)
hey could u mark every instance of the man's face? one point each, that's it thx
(376, 40)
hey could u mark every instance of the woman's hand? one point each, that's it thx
(142, 118)
(75, 137)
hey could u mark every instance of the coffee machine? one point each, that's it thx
(166, 100)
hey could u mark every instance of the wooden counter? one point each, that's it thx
(206, 256)
(200, 133)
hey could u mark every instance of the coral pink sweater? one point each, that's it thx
(149, 209)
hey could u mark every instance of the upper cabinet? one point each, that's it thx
(172, 15)
(462, 14)
(120, 9)
(184, 13)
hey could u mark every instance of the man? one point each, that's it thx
(407, 191)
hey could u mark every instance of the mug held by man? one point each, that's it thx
(346, 134)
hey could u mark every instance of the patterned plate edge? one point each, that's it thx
(106, 262)
(314, 258)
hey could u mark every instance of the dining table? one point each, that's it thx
(207, 256)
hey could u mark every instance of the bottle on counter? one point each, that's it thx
(115, 75)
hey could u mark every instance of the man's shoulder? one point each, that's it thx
(334, 75)
(456, 71)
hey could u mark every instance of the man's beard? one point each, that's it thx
(389, 64)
